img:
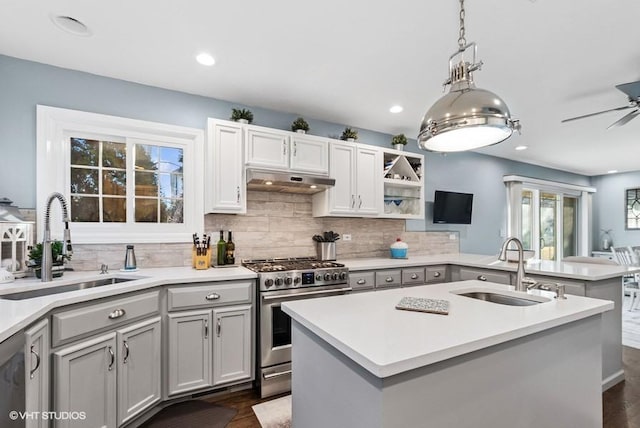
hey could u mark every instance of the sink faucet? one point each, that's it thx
(522, 282)
(47, 262)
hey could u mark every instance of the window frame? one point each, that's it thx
(56, 125)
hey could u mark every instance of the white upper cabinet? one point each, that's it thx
(226, 187)
(267, 148)
(358, 187)
(309, 154)
(403, 185)
(282, 150)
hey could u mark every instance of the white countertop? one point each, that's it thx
(582, 271)
(17, 314)
(385, 341)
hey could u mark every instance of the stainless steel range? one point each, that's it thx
(284, 280)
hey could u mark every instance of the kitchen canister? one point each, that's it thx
(399, 249)
(326, 250)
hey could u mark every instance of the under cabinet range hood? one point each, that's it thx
(287, 182)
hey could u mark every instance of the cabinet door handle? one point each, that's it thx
(353, 201)
(126, 351)
(361, 281)
(218, 327)
(436, 274)
(206, 329)
(118, 313)
(295, 148)
(359, 201)
(113, 358)
(414, 276)
(388, 279)
(212, 296)
(31, 373)
(284, 147)
(482, 278)
(238, 194)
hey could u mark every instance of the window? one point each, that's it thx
(632, 209)
(550, 218)
(125, 180)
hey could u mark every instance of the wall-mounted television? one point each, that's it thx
(452, 207)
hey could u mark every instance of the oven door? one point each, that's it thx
(275, 325)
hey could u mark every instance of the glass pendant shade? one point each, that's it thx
(465, 119)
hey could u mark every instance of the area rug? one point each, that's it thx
(192, 414)
(630, 325)
(274, 413)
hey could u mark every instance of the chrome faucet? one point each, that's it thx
(47, 262)
(522, 282)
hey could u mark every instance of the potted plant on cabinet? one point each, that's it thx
(349, 134)
(35, 259)
(241, 115)
(399, 141)
(300, 125)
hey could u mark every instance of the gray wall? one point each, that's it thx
(24, 84)
(609, 208)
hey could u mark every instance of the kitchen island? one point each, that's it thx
(359, 362)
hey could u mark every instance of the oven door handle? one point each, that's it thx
(311, 293)
(266, 376)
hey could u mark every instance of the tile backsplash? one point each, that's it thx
(276, 225)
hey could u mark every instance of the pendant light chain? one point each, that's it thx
(462, 41)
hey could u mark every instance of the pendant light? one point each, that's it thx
(467, 117)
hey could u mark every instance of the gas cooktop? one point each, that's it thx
(288, 264)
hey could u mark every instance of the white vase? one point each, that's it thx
(351, 139)
(301, 131)
(399, 146)
(245, 121)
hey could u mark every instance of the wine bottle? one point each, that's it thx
(222, 248)
(230, 257)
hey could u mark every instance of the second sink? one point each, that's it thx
(65, 288)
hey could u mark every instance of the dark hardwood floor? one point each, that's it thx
(620, 404)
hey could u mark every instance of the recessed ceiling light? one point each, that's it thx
(205, 59)
(313, 186)
(396, 109)
(522, 147)
(71, 25)
(268, 183)
(613, 171)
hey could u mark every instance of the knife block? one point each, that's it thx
(201, 262)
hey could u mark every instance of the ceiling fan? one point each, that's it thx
(633, 92)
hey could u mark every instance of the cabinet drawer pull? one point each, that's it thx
(213, 296)
(353, 201)
(359, 201)
(113, 358)
(361, 281)
(206, 329)
(126, 351)
(118, 313)
(238, 194)
(482, 278)
(436, 274)
(414, 276)
(31, 373)
(266, 376)
(218, 327)
(295, 149)
(388, 279)
(284, 147)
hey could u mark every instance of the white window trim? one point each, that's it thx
(53, 174)
(514, 186)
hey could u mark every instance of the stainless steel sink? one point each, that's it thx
(65, 288)
(503, 299)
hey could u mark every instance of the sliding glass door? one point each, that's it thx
(549, 223)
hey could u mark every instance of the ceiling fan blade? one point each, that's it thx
(595, 114)
(631, 89)
(626, 118)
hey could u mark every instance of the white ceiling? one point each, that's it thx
(350, 61)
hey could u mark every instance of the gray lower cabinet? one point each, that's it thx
(139, 369)
(111, 378)
(464, 274)
(85, 381)
(37, 373)
(388, 278)
(189, 351)
(232, 344)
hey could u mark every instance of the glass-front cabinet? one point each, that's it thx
(403, 184)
